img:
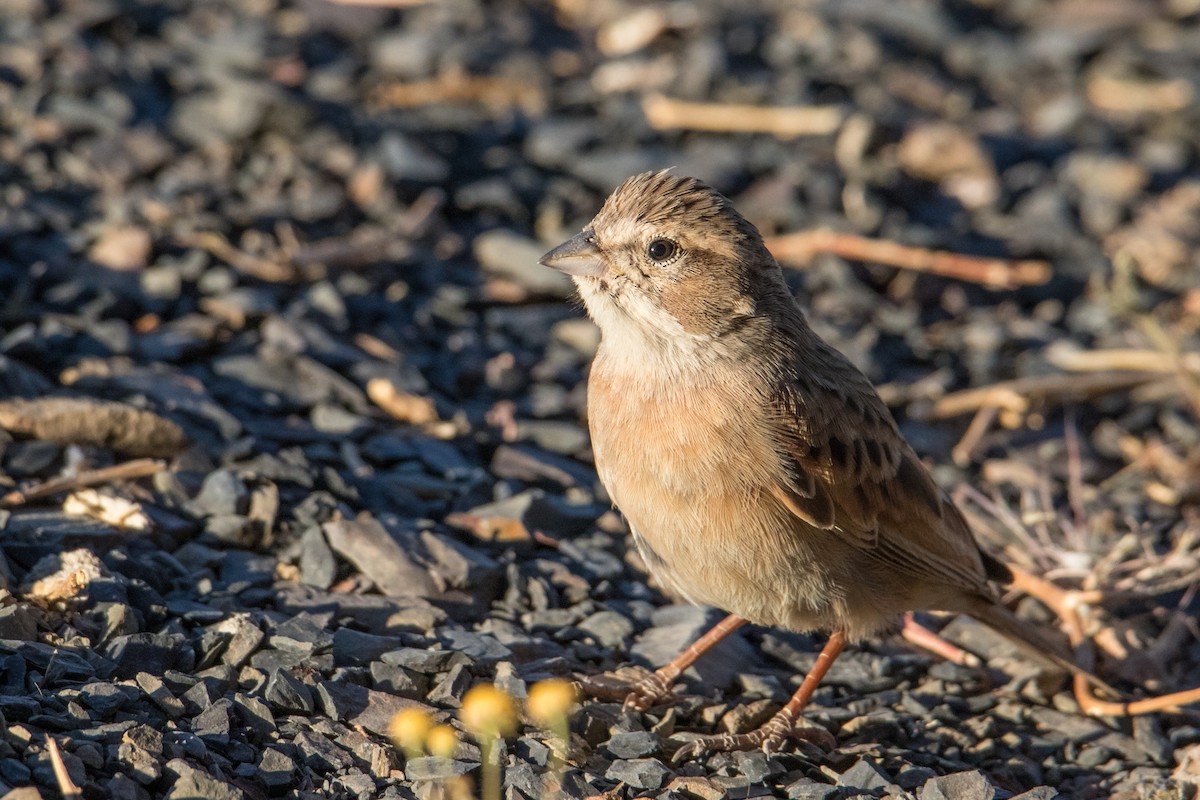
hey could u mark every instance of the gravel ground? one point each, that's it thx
(287, 252)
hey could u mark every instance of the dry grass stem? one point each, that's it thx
(981, 423)
(219, 247)
(139, 468)
(784, 122)
(499, 94)
(1017, 393)
(996, 273)
(65, 785)
(380, 3)
(1071, 606)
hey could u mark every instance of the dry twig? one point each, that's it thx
(139, 468)
(66, 786)
(455, 86)
(1071, 606)
(1016, 394)
(218, 246)
(997, 273)
(665, 113)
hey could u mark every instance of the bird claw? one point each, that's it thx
(650, 691)
(640, 694)
(769, 738)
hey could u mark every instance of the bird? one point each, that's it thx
(758, 469)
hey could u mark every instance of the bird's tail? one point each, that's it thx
(1030, 639)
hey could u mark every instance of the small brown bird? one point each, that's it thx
(758, 469)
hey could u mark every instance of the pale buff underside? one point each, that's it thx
(708, 524)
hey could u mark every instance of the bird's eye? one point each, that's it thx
(661, 249)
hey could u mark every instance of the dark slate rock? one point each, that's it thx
(215, 723)
(305, 632)
(475, 646)
(399, 681)
(254, 714)
(639, 773)
(354, 648)
(18, 707)
(865, 774)
(148, 652)
(958, 786)
(19, 622)
(321, 754)
(377, 554)
(275, 770)
(287, 694)
(318, 567)
(428, 662)
(633, 744)
(103, 698)
(192, 783)
(449, 690)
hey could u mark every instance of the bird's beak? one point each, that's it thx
(576, 256)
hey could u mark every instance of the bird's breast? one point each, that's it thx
(689, 463)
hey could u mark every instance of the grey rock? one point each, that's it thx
(245, 638)
(640, 773)
(808, 789)
(429, 662)
(452, 686)
(19, 622)
(148, 652)
(476, 646)
(254, 714)
(321, 754)
(972, 785)
(610, 628)
(509, 255)
(318, 567)
(398, 680)
(865, 774)
(215, 722)
(192, 783)
(223, 493)
(103, 698)
(463, 567)
(287, 694)
(355, 648)
(306, 632)
(633, 744)
(1038, 793)
(368, 546)
(275, 769)
(433, 769)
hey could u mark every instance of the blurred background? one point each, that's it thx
(306, 234)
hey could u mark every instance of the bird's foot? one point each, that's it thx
(650, 691)
(638, 687)
(770, 737)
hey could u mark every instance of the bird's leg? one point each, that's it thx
(655, 688)
(922, 637)
(771, 735)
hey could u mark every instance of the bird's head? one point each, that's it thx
(668, 257)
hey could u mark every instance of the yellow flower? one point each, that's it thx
(489, 712)
(550, 701)
(409, 729)
(442, 741)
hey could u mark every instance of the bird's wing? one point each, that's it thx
(849, 471)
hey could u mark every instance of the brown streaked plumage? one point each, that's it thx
(759, 470)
